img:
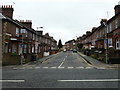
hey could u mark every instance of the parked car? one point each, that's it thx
(74, 50)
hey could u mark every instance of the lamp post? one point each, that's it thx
(106, 43)
(22, 45)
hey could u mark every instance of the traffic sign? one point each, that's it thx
(22, 45)
(106, 41)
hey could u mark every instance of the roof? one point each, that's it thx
(15, 22)
(2, 17)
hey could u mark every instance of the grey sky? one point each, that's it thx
(63, 19)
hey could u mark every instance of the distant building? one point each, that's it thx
(71, 44)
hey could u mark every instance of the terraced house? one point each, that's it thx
(19, 40)
(105, 36)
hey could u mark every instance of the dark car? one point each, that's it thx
(74, 51)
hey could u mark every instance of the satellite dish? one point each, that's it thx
(119, 3)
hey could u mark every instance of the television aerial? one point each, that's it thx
(119, 3)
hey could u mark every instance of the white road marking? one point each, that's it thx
(61, 63)
(15, 68)
(88, 67)
(37, 67)
(91, 80)
(30, 67)
(80, 67)
(101, 68)
(45, 67)
(53, 67)
(22, 68)
(61, 67)
(70, 67)
(12, 80)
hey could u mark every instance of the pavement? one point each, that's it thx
(41, 60)
(95, 62)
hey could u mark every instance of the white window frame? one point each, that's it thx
(14, 48)
(109, 42)
(110, 27)
(25, 48)
(33, 36)
(118, 44)
(116, 23)
(6, 48)
(17, 31)
(20, 49)
(26, 33)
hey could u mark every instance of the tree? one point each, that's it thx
(80, 45)
(60, 44)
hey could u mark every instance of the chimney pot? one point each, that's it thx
(7, 10)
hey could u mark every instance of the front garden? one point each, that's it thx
(110, 56)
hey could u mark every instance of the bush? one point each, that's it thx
(93, 56)
(14, 54)
(100, 58)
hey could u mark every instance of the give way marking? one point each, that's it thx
(12, 81)
(91, 80)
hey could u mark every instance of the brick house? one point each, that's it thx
(87, 43)
(16, 38)
(101, 35)
(114, 29)
(20, 39)
(71, 44)
(49, 44)
(105, 36)
(111, 32)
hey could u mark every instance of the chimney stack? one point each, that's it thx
(102, 21)
(117, 9)
(88, 33)
(39, 32)
(93, 29)
(27, 23)
(7, 10)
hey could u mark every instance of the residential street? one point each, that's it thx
(62, 70)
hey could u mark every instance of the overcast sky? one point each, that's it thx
(63, 19)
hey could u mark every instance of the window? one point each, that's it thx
(17, 31)
(29, 48)
(23, 30)
(110, 27)
(25, 48)
(33, 49)
(6, 48)
(110, 42)
(33, 37)
(20, 49)
(26, 33)
(46, 41)
(116, 23)
(118, 44)
(14, 48)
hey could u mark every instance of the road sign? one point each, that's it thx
(22, 45)
(106, 41)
